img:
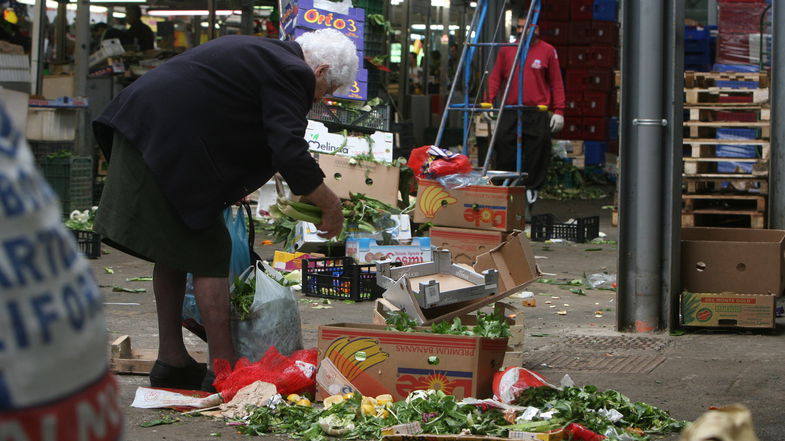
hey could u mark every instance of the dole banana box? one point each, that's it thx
(485, 207)
(373, 361)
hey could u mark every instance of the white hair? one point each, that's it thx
(330, 47)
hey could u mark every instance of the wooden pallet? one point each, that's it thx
(711, 95)
(709, 79)
(694, 203)
(126, 360)
(722, 218)
(707, 166)
(701, 184)
(707, 148)
(707, 112)
(708, 129)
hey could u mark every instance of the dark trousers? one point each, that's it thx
(536, 144)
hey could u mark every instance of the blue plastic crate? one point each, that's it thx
(696, 33)
(697, 46)
(594, 152)
(735, 151)
(697, 58)
(605, 10)
(736, 84)
(736, 67)
(698, 67)
(613, 128)
(736, 134)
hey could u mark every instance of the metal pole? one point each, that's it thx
(210, 19)
(37, 49)
(246, 20)
(641, 185)
(403, 90)
(81, 69)
(427, 57)
(61, 24)
(777, 98)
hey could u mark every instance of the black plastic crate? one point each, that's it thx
(340, 278)
(545, 227)
(375, 119)
(72, 180)
(89, 243)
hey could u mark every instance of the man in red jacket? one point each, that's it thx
(542, 86)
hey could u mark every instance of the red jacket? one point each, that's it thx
(542, 81)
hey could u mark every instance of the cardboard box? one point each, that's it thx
(487, 207)
(307, 237)
(48, 124)
(466, 244)
(359, 89)
(283, 261)
(728, 310)
(374, 361)
(732, 260)
(109, 48)
(345, 175)
(56, 86)
(366, 250)
(320, 140)
(304, 14)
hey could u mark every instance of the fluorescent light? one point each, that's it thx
(118, 14)
(118, 1)
(472, 4)
(71, 6)
(434, 27)
(176, 12)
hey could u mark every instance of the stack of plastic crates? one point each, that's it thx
(545, 227)
(72, 179)
(375, 43)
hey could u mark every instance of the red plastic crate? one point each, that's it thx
(589, 79)
(604, 32)
(734, 99)
(592, 56)
(573, 128)
(594, 129)
(613, 147)
(595, 104)
(555, 10)
(736, 116)
(555, 32)
(580, 33)
(563, 52)
(576, 79)
(581, 9)
(573, 102)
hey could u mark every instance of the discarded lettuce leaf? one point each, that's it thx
(139, 279)
(108, 270)
(133, 290)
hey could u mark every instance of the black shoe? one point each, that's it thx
(207, 382)
(171, 377)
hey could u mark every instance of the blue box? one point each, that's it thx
(302, 14)
(359, 44)
(736, 67)
(359, 90)
(605, 10)
(697, 58)
(736, 134)
(697, 46)
(594, 152)
(736, 84)
(735, 151)
(613, 128)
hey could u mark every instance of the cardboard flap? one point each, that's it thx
(514, 260)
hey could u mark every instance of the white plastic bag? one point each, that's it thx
(274, 319)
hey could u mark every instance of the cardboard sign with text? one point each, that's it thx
(466, 244)
(320, 140)
(485, 207)
(376, 361)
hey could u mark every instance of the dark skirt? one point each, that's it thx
(135, 217)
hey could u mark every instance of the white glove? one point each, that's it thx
(557, 123)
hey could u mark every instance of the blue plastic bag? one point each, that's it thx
(241, 260)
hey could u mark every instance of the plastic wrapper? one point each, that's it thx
(462, 180)
(431, 162)
(743, 48)
(739, 17)
(600, 280)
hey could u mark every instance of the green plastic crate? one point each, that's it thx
(72, 179)
(370, 6)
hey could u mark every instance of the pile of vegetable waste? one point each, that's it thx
(361, 214)
(584, 414)
(488, 325)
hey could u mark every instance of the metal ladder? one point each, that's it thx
(463, 71)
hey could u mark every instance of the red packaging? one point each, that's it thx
(581, 9)
(595, 129)
(595, 104)
(734, 99)
(734, 49)
(580, 33)
(736, 116)
(555, 32)
(739, 17)
(574, 102)
(604, 32)
(555, 10)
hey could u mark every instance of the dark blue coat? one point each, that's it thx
(216, 122)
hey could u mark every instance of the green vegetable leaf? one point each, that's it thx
(131, 290)
(108, 270)
(163, 420)
(139, 279)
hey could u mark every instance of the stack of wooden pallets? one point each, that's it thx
(726, 149)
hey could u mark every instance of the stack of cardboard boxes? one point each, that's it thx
(472, 220)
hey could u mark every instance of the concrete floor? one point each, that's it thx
(690, 372)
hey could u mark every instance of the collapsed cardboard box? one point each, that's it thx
(728, 309)
(486, 207)
(346, 175)
(736, 260)
(466, 244)
(374, 361)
